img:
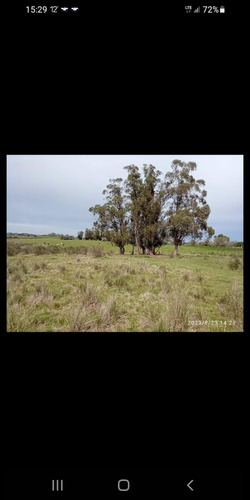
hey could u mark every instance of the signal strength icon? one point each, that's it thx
(197, 11)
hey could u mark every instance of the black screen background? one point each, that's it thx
(120, 82)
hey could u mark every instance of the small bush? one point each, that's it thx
(76, 250)
(27, 249)
(39, 250)
(52, 249)
(13, 249)
(234, 263)
(97, 252)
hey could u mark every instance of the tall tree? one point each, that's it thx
(153, 202)
(188, 210)
(89, 234)
(80, 235)
(134, 189)
(112, 216)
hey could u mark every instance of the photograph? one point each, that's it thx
(125, 243)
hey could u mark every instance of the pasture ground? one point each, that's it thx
(80, 289)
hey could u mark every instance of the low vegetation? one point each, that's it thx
(87, 286)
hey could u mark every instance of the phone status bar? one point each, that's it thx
(205, 9)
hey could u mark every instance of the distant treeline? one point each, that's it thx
(50, 235)
(95, 235)
(24, 235)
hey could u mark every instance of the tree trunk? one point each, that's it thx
(133, 250)
(137, 239)
(151, 250)
(122, 250)
(175, 250)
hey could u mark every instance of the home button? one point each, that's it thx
(123, 485)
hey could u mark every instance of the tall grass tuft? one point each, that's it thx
(96, 252)
(178, 310)
(232, 302)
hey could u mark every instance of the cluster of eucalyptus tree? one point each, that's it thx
(146, 211)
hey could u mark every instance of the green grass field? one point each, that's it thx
(86, 286)
(108, 247)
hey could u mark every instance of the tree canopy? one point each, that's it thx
(113, 215)
(146, 211)
(188, 209)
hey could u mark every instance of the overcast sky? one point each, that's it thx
(53, 193)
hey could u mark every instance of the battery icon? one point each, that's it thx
(222, 9)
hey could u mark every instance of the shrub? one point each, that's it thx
(97, 252)
(52, 249)
(76, 250)
(27, 249)
(39, 250)
(13, 249)
(234, 263)
(221, 240)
